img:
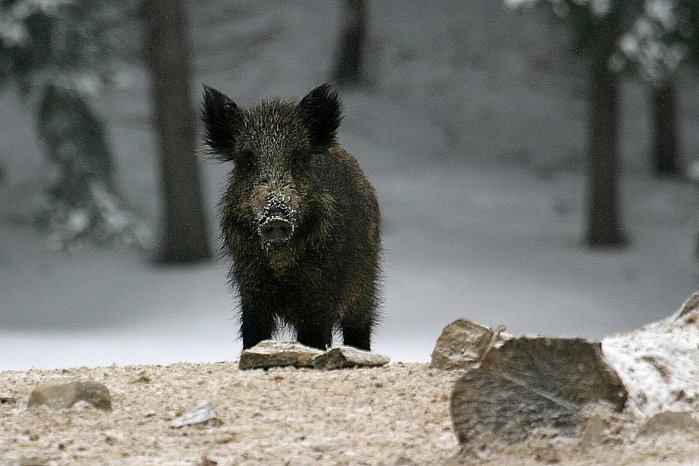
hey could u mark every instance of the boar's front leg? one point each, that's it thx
(256, 321)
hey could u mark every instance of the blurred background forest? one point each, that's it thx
(537, 163)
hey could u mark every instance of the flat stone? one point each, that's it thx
(271, 353)
(531, 384)
(66, 394)
(461, 344)
(341, 357)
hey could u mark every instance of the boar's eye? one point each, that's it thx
(246, 160)
(298, 160)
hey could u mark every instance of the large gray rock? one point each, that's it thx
(66, 394)
(271, 353)
(461, 344)
(531, 384)
(341, 357)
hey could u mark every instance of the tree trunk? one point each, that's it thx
(185, 236)
(665, 156)
(348, 70)
(603, 223)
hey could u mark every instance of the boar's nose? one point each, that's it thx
(276, 224)
(276, 230)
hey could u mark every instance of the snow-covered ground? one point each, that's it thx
(472, 129)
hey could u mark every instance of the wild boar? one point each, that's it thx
(299, 220)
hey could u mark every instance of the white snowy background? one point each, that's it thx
(472, 129)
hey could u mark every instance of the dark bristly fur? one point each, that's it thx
(299, 219)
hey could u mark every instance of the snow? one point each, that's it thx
(598, 7)
(473, 132)
(663, 12)
(643, 44)
(658, 364)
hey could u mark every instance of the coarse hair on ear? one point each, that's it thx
(321, 111)
(222, 119)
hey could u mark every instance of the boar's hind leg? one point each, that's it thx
(357, 334)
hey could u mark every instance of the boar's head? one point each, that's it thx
(271, 146)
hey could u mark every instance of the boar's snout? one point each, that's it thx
(276, 230)
(277, 222)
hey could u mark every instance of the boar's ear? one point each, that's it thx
(322, 112)
(221, 118)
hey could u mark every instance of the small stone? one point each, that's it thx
(67, 394)
(690, 305)
(143, 377)
(405, 461)
(461, 344)
(7, 399)
(33, 461)
(529, 385)
(203, 412)
(593, 431)
(271, 353)
(669, 422)
(341, 357)
(206, 461)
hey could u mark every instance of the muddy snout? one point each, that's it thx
(277, 222)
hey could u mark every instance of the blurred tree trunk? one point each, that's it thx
(348, 70)
(603, 223)
(185, 236)
(665, 156)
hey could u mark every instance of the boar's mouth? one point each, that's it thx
(277, 221)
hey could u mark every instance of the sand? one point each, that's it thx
(398, 414)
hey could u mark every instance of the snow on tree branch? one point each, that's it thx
(658, 36)
(654, 42)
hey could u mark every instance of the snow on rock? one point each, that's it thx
(342, 357)
(272, 353)
(658, 363)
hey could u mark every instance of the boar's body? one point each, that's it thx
(299, 220)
